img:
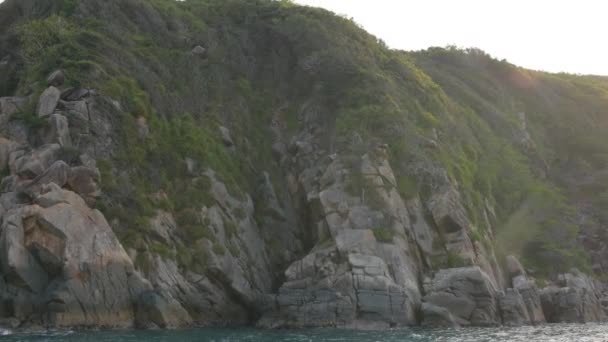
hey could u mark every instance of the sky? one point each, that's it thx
(550, 35)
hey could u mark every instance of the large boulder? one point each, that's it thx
(317, 292)
(56, 173)
(320, 290)
(55, 79)
(379, 298)
(514, 267)
(6, 148)
(85, 181)
(513, 308)
(18, 265)
(48, 101)
(468, 293)
(68, 256)
(31, 164)
(531, 297)
(576, 301)
(57, 131)
(10, 106)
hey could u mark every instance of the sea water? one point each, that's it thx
(552, 332)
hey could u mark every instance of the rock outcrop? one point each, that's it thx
(284, 170)
(363, 271)
(513, 309)
(468, 294)
(61, 263)
(574, 299)
(48, 101)
(522, 290)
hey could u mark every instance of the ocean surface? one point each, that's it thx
(556, 332)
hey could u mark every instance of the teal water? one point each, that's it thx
(553, 333)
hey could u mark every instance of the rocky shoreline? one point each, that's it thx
(169, 164)
(64, 267)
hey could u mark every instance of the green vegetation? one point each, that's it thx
(282, 65)
(407, 187)
(384, 235)
(27, 115)
(362, 186)
(455, 260)
(218, 249)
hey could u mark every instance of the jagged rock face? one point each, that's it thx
(235, 280)
(523, 291)
(69, 261)
(350, 278)
(10, 106)
(576, 301)
(531, 297)
(156, 311)
(48, 101)
(468, 293)
(513, 309)
(61, 261)
(323, 235)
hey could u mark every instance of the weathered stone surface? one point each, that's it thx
(468, 293)
(379, 298)
(531, 297)
(562, 305)
(77, 107)
(277, 221)
(514, 267)
(55, 79)
(10, 106)
(226, 137)
(422, 230)
(92, 126)
(85, 181)
(199, 51)
(162, 226)
(48, 101)
(67, 255)
(437, 316)
(103, 300)
(29, 165)
(57, 131)
(164, 312)
(56, 173)
(18, 131)
(359, 241)
(19, 266)
(75, 94)
(577, 301)
(449, 214)
(6, 148)
(513, 309)
(345, 281)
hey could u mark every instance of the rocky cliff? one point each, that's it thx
(210, 162)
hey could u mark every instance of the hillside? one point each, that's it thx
(232, 162)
